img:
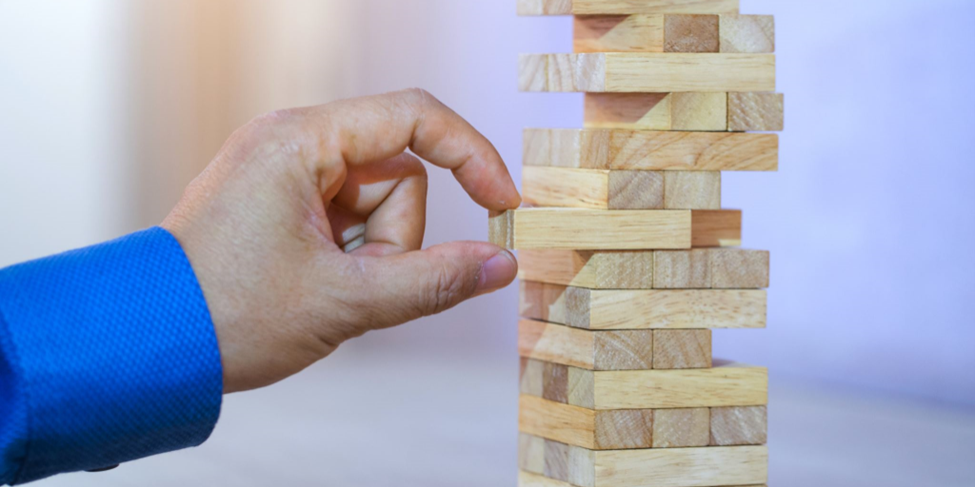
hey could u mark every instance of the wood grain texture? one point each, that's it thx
(618, 33)
(661, 467)
(696, 112)
(647, 72)
(716, 228)
(636, 150)
(681, 349)
(558, 187)
(724, 385)
(747, 33)
(602, 350)
(691, 33)
(692, 190)
(681, 428)
(587, 229)
(587, 428)
(739, 426)
(681, 269)
(588, 269)
(527, 479)
(640, 309)
(593, 188)
(739, 268)
(625, 7)
(763, 112)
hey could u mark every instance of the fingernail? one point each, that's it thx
(497, 272)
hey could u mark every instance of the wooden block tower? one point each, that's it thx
(627, 259)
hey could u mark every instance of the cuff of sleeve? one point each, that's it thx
(116, 352)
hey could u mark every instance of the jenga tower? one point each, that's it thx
(625, 252)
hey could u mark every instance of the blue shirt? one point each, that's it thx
(107, 354)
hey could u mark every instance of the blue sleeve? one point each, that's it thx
(107, 354)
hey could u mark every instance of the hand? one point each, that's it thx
(305, 229)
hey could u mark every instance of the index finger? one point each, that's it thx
(377, 128)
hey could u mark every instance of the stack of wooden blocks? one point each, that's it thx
(626, 258)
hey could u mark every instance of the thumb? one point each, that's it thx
(427, 282)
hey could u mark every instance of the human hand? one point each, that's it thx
(305, 229)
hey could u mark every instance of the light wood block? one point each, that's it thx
(681, 349)
(631, 72)
(747, 33)
(724, 385)
(661, 467)
(633, 309)
(739, 268)
(726, 268)
(636, 150)
(681, 428)
(625, 7)
(587, 229)
(593, 350)
(527, 479)
(715, 228)
(674, 33)
(761, 112)
(739, 426)
(621, 190)
(594, 430)
(696, 112)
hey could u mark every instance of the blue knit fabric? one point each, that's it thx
(107, 354)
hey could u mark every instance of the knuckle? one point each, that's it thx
(447, 288)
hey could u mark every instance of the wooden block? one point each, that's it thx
(724, 385)
(763, 112)
(661, 467)
(638, 150)
(627, 309)
(586, 229)
(716, 228)
(634, 269)
(593, 188)
(739, 426)
(682, 269)
(647, 72)
(593, 350)
(681, 428)
(625, 7)
(692, 190)
(747, 33)
(691, 33)
(526, 479)
(739, 268)
(682, 349)
(737, 112)
(619, 33)
(594, 430)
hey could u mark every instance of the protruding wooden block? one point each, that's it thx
(762, 112)
(658, 467)
(626, 7)
(682, 269)
(593, 350)
(559, 187)
(588, 269)
(739, 268)
(681, 428)
(636, 150)
(716, 228)
(747, 33)
(595, 430)
(725, 268)
(724, 385)
(737, 112)
(691, 33)
(682, 349)
(642, 309)
(640, 72)
(585, 229)
(739, 426)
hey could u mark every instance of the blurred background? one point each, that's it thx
(108, 108)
